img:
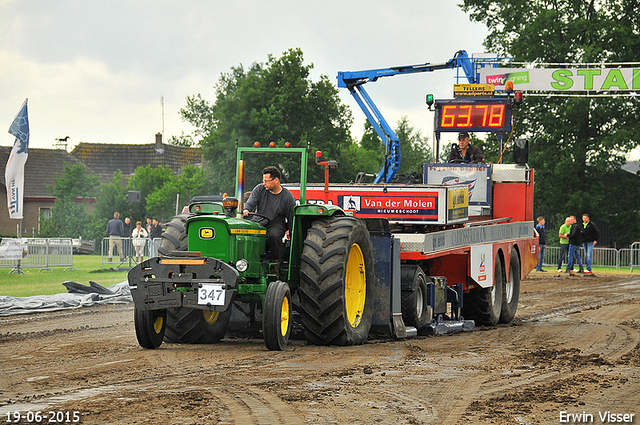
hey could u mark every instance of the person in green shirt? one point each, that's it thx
(563, 234)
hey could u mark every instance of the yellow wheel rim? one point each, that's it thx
(355, 286)
(157, 325)
(284, 316)
(211, 316)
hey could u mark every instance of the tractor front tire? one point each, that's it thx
(174, 238)
(485, 305)
(194, 326)
(150, 327)
(276, 315)
(336, 276)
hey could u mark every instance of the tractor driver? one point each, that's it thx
(272, 205)
(465, 152)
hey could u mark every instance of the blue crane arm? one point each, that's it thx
(354, 82)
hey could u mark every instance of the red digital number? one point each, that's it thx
(448, 118)
(496, 117)
(473, 116)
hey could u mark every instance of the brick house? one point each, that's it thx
(101, 160)
(42, 167)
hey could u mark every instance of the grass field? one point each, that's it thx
(47, 283)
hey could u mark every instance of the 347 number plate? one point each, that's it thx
(211, 294)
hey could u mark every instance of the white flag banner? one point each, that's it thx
(14, 173)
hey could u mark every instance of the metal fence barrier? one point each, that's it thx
(110, 251)
(43, 253)
(603, 257)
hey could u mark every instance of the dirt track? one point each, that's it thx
(574, 347)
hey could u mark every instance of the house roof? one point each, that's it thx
(40, 170)
(104, 159)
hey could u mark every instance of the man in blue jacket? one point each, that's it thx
(542, 232)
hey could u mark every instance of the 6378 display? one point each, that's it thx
(491, 115)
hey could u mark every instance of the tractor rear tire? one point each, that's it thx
(194, 326)
(485, 305)
(276, 315)
(336, 282)
(174, 238)
(511, 294)
(150, 327)
(416, 311)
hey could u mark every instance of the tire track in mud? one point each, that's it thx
(253, 406)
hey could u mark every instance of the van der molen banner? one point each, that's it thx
(564, 79)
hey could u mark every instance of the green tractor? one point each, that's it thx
(212, 259)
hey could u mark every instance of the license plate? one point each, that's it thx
(211, 294)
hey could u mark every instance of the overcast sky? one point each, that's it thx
(96, 71)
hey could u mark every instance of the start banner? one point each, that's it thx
(564, 79)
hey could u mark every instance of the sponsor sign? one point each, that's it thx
(482, 265)
(474, 176)
(11, 249)
(564, 79)
(399, 204)
(471, 90)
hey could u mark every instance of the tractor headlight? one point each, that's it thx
(242, 265)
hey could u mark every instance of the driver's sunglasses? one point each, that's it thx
(267, 181)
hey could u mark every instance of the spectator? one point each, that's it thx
(155, 234)
(127, 234)
(575, 240)
(115, 229)
(139, 238)
(149, 224)
(590, 236)
(564, 241)
(542, 241)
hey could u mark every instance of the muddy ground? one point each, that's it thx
(573, 349)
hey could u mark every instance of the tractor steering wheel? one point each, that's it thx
(258, 218)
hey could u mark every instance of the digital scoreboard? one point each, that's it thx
(489, 115)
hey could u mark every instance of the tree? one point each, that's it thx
(278, 102)
(576, 144)
(192, 182)
(147, 180)
(415, 150)
(69, 217)
(112, 197)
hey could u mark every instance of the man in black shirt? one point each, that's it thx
(575, 239)
(273, 206)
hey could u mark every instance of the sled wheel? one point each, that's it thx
(194, 326)
(415, 307)
(276, 315)
(511, 293)
(484, 305)
(150, 327)
(174, 238)
(336, 264)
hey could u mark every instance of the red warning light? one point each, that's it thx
(272, 144)
(256, 144)
(287, 144)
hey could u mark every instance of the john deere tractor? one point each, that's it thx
(186, 295)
